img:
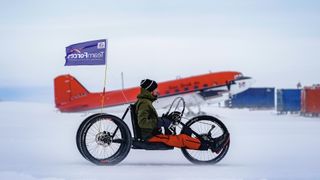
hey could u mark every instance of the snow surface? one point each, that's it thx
(38, 142)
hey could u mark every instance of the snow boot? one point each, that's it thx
(216, 144)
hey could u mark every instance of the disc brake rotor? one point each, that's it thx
(103, 139)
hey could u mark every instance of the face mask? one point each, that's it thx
(155, 94)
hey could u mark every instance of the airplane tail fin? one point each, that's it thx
(66, 89)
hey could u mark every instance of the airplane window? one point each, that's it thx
(205, 85)
(186, 89)
(196, 87)
(177, 90)
(167, 92)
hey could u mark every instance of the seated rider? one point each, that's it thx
(150, 124)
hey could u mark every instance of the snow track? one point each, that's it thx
(37, 142)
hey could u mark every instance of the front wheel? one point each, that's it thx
(210, 127)
(104, 139)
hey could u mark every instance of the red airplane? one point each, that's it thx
(71, 96)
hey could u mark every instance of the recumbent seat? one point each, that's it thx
(138, 142)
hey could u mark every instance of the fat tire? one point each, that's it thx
(223, 151)
(79, 132)
(121, 153)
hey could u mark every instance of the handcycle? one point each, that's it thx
(105, 139)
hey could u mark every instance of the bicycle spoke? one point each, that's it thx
(102, 151)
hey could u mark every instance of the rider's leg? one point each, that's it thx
(180, 141)
(185, 141)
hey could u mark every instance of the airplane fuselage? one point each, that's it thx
(71, 96)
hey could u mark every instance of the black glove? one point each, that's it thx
(175, 117)
(164, 122)
(169, 127)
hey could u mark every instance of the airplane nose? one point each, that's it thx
(242, 84)
(249, 81)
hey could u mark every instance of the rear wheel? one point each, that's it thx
(208, 127)
(80, 129)
(104, 139)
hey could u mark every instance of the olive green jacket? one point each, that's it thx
(146, 114)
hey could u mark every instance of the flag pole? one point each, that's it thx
(104, 81)
(104, 88)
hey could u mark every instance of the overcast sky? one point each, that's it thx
(277, 42)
